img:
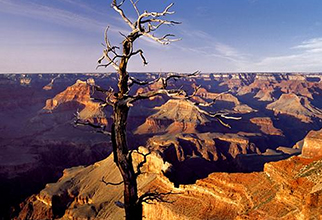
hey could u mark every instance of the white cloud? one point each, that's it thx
(207, 45)
(51, 14)
(311, 46)
(80, 4)
(226, 50)
(305, 57)
(59, 16)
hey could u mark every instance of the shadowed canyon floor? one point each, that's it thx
(38, 139)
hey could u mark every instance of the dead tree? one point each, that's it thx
(145, 25)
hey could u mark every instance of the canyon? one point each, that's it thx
(226, 171)
(287, 189)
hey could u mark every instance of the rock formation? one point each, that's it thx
(37, 144)
(266, 126)
(312, 146)
(296, 106)
(237, 106)
(175, 116)
(265, 94)
(289, 189)
(81, 193)
(75, 97)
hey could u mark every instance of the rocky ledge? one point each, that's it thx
(288, 189)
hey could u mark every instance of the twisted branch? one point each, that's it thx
(135, 6)
(177, 76)
(110, 183)
(117, 7)
(99, 128)
(142, 83)
(141, 164)
(109, 49)
(150, 197)
(146, 23)
(109, 96)
(141, 55)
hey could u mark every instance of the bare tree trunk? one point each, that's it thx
(145, 25)
(133, 209)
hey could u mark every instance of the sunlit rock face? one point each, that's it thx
(37, 142)
(289, 189)
(81, 194)
(175, 116)
(78, 96)
(299, 107)
(265, 94)
(266, 126)
(312, 146)
(285, 190)
(237, 106)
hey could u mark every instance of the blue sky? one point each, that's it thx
(217, 36)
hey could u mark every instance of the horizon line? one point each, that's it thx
(144, 72)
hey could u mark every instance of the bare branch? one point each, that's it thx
(153, 23)
(205, 104)
(163, 91)
(111, 60)
(117, 7)
(110, 183)
(135, 6)
(142, 83)
(218, 116)
(181, 94)
(109, 95)
(196, 89)
(163, 40)
(80, 122)
(103, 132)
(141, 54)
(157, 14)
(151, 196)
(99, 128)
(100, 89)
(168, 92)
(123, 35)
(120, 4)
(158, 20)
(141, 164)
(109, 48)
(177, 76)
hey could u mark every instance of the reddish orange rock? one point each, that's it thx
(312, 146)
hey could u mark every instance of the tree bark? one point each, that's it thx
(133, 209)
(146, 24)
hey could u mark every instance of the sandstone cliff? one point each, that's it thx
(289, 189)
(81, 194)
(312, 146)
(78, 96)
(175, 116)
(44, 144)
